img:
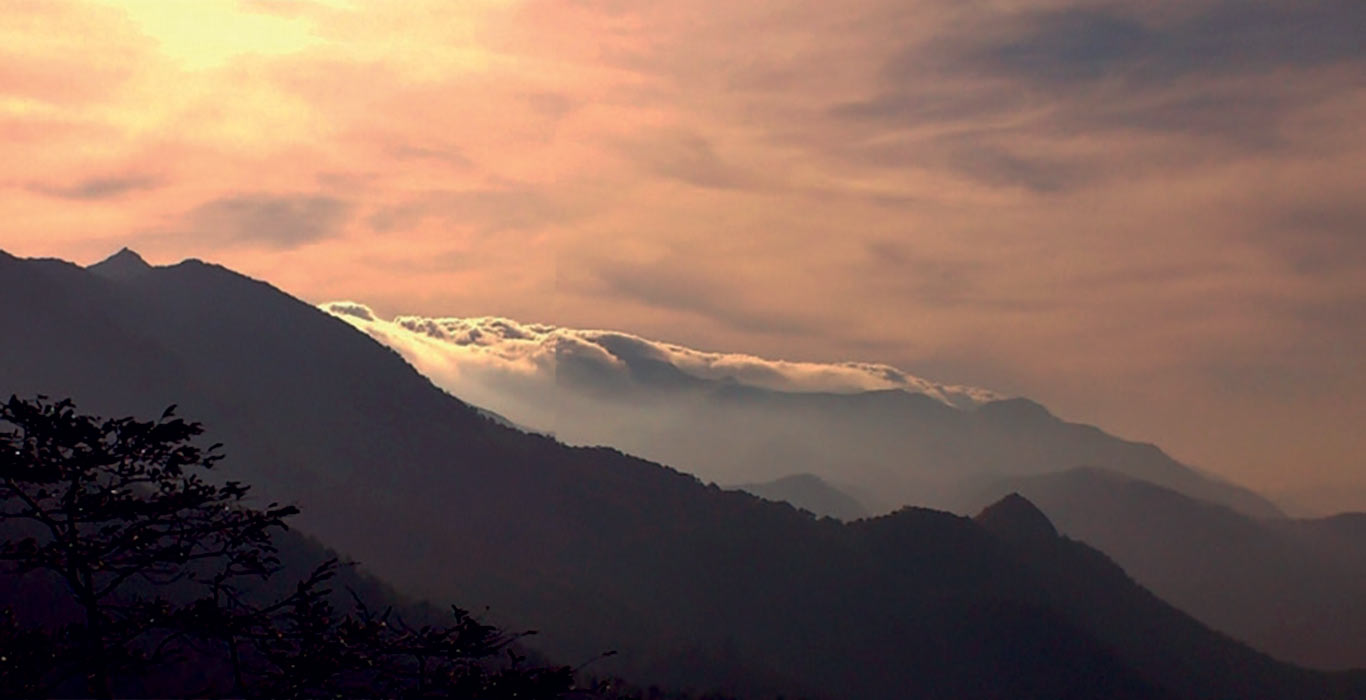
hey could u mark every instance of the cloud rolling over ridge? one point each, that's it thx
(462, 354)
(893, 438)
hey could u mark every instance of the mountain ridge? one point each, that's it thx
(809, 492)
(1305, 578)
(600, 550)
(651, 398)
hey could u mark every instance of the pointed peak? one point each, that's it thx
(121, 265)
(126, 256)
(1018, 521)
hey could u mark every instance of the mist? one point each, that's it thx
(889, 438)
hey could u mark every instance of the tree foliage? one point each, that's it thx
(153, 555)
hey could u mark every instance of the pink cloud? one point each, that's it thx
(1045, 197)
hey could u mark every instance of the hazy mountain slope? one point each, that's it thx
(809, 492)
(599, 550)
(741, 419)
(1294, 588)
(1072, 574)
(1342, 535)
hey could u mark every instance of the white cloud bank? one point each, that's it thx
(480, 359)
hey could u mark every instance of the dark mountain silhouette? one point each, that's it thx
(812, 493)
(1293, 588)
(122, 265)
(1016, 520)
(696, 586)
(916, 448)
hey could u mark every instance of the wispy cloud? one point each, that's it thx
(99, 187)
(487, 210)
(687, 157)
(270, 220)
(1049, 196)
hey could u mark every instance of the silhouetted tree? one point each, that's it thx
(26, 656)
(117, 510)
(303, 647)
(106, 503)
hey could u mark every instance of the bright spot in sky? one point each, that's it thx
(209, 33)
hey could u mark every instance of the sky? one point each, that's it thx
(1147, 216)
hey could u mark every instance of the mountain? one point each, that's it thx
(1293, 588)
(695, 586)
(918, 443)
(123, 265)
(742, 419)
(809, 492)
(1016, 520)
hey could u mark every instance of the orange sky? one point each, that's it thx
(1148, 219)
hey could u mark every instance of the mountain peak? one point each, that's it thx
(1018, 521)
(122, 265)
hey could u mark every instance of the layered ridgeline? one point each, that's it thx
(694, 585)
(812, 493)
(846, 440)
(1295, 588)
(892, 438)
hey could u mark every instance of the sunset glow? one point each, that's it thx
(1146, 217)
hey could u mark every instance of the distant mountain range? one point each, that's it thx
(1294, 588)
(811, 493)
(742, 419)
(695, 586)
(853, 439)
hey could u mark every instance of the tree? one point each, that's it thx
(152, 555)
(26, 654)
(106, 505)
(303, 647)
